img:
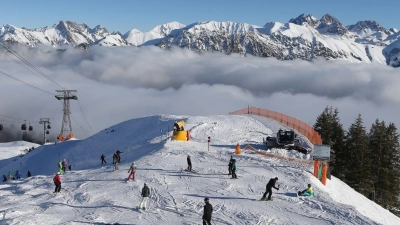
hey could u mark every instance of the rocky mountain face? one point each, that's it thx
(304, 37)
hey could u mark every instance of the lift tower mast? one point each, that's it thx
(66, 128)
(45, 121)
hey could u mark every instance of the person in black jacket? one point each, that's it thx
(270, 185)
(189, 162)
(230, 166)
(207, 212)
(103, 159)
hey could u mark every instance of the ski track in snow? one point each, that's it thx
(95, 195)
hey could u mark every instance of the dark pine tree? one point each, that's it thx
(357, 172)
(332, 133)
(385, 156)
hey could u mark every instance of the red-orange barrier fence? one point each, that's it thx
(289, 121)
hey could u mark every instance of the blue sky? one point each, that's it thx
(123, 15)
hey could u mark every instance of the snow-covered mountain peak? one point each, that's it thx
(367, 26)
(309, 19)
(394, 30)
(8, 28)
(165, 29)
(331, 25)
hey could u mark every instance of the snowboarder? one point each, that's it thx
(189, 162)
(145, 197)
(102, 157)
(115, 161)
(119, 157)
(10, 176)
(29, 174)
(208, 209)
(4, 178)
(60, 167)
(234, 169)
(64, 165)
(306, 192)
(132, 171)
(17, 175)
(230, 166)
(270, 185)
(57, 182)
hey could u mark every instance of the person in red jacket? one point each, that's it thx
(57, 182)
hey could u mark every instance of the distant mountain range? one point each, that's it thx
(304, 37)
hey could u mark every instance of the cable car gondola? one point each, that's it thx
(30, 128)
(47, 132)
(23, 126)
(1, 127)
(48, 126)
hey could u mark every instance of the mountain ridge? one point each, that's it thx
(304, 37)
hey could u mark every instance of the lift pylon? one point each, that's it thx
(66, 128)
(44, 121)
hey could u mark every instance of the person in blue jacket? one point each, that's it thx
(17, 175)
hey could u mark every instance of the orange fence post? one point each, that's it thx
(316, 167)
(324, 172)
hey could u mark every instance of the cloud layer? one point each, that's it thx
(118, 84)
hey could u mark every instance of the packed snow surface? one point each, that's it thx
(93, 194)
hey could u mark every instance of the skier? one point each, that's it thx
(189, 162)
(230, 166)
(208, 209)
(10, 176)
(29, 174)
(57, 182)
(64, 165)
(119, 157)
(102, 157)
(306, 192)
(234, 169)
(17, 175)
(115, 161)
(270, 185)
(132, 171)
(60, 167)
(4, 178)
(145, 196)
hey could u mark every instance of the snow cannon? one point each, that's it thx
(179, 133)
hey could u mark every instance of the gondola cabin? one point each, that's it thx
(1, 127)
(47, 132)
(23, 127)
(30, 128)
(48, 126)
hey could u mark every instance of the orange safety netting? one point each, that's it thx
(289, 121)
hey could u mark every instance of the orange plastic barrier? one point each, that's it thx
(316, 168)
(294, 123)
(324, 172)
